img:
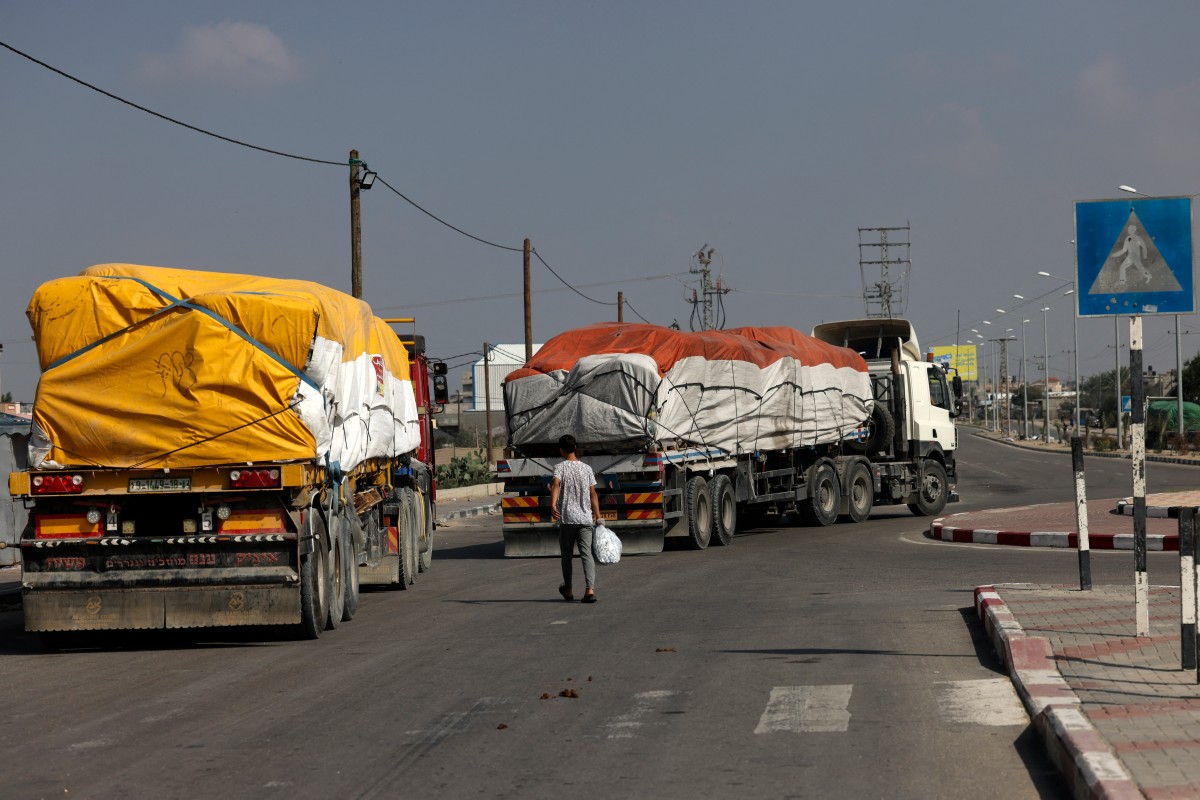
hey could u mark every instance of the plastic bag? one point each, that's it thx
(606, 546)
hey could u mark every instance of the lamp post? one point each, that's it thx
(1007, 386)
(1024, 382)
(1178, 347)
(1046, 376)
(1075, 333)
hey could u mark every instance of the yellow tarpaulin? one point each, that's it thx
(154, 367)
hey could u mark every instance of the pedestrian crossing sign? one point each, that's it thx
(1134, 257)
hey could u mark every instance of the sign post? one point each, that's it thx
(1134, 257)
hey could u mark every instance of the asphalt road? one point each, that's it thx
(835, 662)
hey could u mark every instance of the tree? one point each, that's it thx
(6, 397)
(1099, 392)
(1191, 381)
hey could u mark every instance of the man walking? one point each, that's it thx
(575, 506)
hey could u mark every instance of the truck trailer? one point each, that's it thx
(212, 449)
(695, 436)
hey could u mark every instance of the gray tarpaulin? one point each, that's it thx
(14, 448)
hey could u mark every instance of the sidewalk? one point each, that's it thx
(1119, 716)
(468, 501)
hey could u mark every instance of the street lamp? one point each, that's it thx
(1024, 381)
(1046, 376)
(1075, 333)
(1178, 351)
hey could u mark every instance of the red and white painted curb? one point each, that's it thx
(1074, 744)
(944, 530)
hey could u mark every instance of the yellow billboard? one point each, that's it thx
(958, 357)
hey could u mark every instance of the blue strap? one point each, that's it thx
(178, 303)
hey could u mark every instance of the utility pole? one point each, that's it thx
(528, 310)
(620, 306)
(702, 259)
(888, 249)
(487, 400)
(355, 230)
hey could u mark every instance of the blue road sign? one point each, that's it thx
(1134, 257)
(1126, 403)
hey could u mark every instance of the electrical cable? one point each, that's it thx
(435, 217)
(164, 117)
(569, 286)
(636, 314)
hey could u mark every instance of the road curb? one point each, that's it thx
(1075, 746)
(942, 529)
(464, 513)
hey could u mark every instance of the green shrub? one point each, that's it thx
(468, 470)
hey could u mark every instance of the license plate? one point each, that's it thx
(160, 484)
(608, 515)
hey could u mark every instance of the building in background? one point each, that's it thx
(503, 359)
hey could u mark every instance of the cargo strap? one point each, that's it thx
(178, 303)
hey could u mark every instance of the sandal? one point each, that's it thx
(566, 593)
(590, 597)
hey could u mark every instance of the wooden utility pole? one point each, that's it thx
(620, 306)
(355, 230)
(487, 399)
(528, 310)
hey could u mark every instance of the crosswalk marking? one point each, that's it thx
(807, 709)
(626, 726)
(989, 701)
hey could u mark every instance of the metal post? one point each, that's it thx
(487, 399)
(1179, 381)
(1046, 376)
(355, 230)
(1137, 446)
(1194, 581)
(1117, 350)
(1024, 382)
(528, 309)
(1075, 331)
(1081, 515)
(1187, 587)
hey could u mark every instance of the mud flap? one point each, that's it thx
(142, 609)
(544, 542)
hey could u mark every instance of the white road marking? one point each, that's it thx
(807, 709)
(559, 622)
(626, 726)
(987, 701)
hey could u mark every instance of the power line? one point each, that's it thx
(308, 159)
(164, 117)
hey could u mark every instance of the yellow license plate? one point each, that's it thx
(608, 515)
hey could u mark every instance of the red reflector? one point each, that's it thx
(254, 478)
(57, 484)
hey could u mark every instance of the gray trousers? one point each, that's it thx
(568, 537)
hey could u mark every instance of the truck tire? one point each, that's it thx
(408, 541)
(350, 560)
(699, 513)
(335, 574)
(724, 510)
(824, 497)
(860, 492)
(426, 559)
(881, 428)
(314, 589)
(932, 490)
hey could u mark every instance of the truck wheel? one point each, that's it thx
(335, 575)
(314, 589)
(824, 497)
(881, 428)
(860, 492)
(724, 508)
(932, 491)
(350, 560)
(699, 511)
(408, 542)
(426, 560)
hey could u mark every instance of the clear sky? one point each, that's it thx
(618, 136)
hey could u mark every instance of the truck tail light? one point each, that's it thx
(57, 484)
(254, 478)
(502, 466)
(65, 526)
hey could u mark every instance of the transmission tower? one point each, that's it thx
(887, 249)
(707, 302)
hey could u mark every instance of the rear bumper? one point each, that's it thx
(97, 608)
